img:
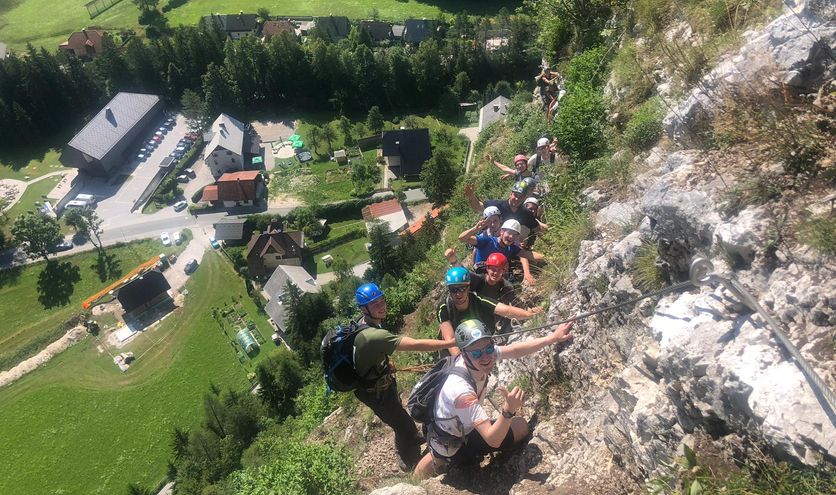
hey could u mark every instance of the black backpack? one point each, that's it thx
(338, 359)
(424, 395)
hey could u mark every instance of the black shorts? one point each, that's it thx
(474, 449)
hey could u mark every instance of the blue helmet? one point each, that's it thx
(457, 276)
(367, 293)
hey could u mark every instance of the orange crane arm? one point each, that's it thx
(139, 270)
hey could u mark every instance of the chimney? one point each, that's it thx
(109, 115)
(496, 107)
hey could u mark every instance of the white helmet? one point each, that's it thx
(542, 142)
(532, 200)
(490, 211)
(512, 225)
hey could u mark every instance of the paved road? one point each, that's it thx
(471, 133)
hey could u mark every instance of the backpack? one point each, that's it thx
(337, 351)
(424, 395)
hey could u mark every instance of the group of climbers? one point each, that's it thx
(478, 304)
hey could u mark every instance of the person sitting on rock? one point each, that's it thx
(507, 244)
(520, 170)
(462, 433)
(461, 304)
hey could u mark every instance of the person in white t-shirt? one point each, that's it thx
(462, 432)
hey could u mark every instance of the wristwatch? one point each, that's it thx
(508, 415)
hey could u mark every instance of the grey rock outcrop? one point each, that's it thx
(400, 489)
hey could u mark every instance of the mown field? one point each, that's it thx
(79, 425)
(25, 21)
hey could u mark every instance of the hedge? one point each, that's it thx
(324, 245)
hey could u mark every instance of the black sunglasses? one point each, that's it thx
(459, 289)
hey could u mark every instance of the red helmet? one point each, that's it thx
(520, 158)
(496, 259)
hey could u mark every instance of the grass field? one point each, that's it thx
(354, 252)
(25, 21)
(78, 425)
(28, 323)
(34, 192)
(31, 163)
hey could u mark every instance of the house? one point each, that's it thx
(230, 230)
(397, 32)
(304, 27)
(388, 212)
(417, 30)
(340, 157)
(497, 109)
(406, 151)
(275, 288)
(235, 25)
(496, 39)
(275, 28)
(334, 28)
(231, 147)
(268, 250)
(85, 44)
(379, 31)
(111, 137)
(416, 227)
(236, 189)
(143, 294)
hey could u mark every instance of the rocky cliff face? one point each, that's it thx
(694, 367)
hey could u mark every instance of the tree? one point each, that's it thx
(281, 377)
(305, 220)
(365, 177)
(263, 13)
(381, 253)
(194, 109)
(346, 128)
(315, 136)
(329, 135)
(374, 120)
(439, 175)
(303, 325)
(86, 222)
(36, 233)
(146, 5)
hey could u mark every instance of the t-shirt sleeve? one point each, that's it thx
(515, 249)
(443, 313)
(482, 240)
(529, 220)
(380, 342)
(493, 202)
(477, 281)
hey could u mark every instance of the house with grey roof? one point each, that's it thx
(276, 286)
(230, 230)
(379, 31)
(235, 25)
(333, 27)
(231, 146)
(418, 30)
(497, 109)
(111, 137)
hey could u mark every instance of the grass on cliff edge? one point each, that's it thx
(79, 425)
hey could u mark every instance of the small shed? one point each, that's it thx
(246, 340)
(340, 157)
(327, 259)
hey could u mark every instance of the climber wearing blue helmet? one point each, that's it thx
(461, 304)
(372, 347)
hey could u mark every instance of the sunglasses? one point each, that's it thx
(477, 353)
(459, 290)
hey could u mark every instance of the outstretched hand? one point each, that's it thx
(513, 399)
(561, 333)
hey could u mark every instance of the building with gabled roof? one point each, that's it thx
(268, 250)
(406, 151)
(496, 109)
(275, 28)
(231, 146)
(379, 31)
(85, 44)
(235, 25)
(236, 189)
(389, 212)
(109, 140)
(230, 229)
(275, 288)
(333, 27)
(417, 30)
(143, 293)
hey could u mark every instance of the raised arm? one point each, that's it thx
(410, 344)
(500, 166)
(469, 235)
(524, 348)
(446, 330)
(526, 267)
(475, 204)
(531, 255)
(509, 311)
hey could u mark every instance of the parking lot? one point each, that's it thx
(118, 193)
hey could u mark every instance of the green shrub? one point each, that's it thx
(616, 169)
(629, 75)
(653, 15)
(647, 276)
(820, 234)
(645, 126)
(586, 69)
(580, 124)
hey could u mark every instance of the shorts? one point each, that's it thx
(472, 451)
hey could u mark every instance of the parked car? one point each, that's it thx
(190, 173)
(180, 206)
(158, 134)
(177, 155)
(151, 144)
(157, 139)
(177, 238)
(181, 148)
(182, 179)
(165, 238)
(190, 266)
(141, 157)
(214, 243)
(143, 150)
(163, 129)
(61, 246)
(171, 121)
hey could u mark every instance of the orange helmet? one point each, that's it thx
(520, 158)
(496, 259)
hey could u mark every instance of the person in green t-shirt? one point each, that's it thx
(372, 348)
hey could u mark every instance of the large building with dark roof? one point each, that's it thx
(111, 137)
(406, 151)
(143, 293)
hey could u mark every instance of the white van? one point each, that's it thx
(87, 198)
(76, 204)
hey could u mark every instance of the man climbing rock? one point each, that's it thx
(461, 304)
(461, 431)
(372, 348)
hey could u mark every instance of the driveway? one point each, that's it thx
(203, 178)
(176, 273)
(471, 133)
(358, 270)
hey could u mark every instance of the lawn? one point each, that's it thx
(32, 163)
(353, 251)
(78, 425)
(32, 320)
(34, 192)
(24, 22)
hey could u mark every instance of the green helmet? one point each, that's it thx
(469, 331)
(519, 187)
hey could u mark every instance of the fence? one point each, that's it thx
(96, 7)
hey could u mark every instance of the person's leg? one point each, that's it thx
(425, 468)
(387, 406)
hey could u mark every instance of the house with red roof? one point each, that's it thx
(388, 212)
(267, 251)
(275, 28)
(86, 43)
(245, 188)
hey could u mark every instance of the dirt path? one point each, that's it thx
(53, 349)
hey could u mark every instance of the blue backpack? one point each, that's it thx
(337, 351)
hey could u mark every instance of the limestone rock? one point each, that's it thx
(400, 489)
(743, 236)
(680, 214)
